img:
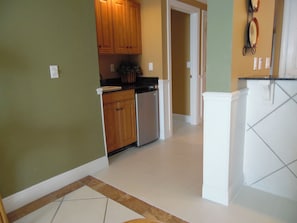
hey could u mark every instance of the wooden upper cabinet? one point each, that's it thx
(103, 9)
(127, 27)
(118, 26)
(134, 27)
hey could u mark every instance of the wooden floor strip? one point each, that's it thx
(148, 211)
(39, 203)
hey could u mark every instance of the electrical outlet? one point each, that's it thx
(267, 63)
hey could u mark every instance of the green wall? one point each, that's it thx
(219, 45)
(47, 126)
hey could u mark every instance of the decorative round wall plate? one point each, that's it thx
(254, 5)
(253, 32)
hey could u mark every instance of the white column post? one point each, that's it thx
(224, 130)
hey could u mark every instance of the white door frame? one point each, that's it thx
(284, 42)
(194, 59)
(203, 35)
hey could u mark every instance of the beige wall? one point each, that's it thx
(200, 5)
(151, 28)
(180, 46)
(243, 65)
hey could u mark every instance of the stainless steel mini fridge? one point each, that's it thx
(147, 116)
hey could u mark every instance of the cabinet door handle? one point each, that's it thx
(119, 109)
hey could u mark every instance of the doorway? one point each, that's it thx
(180, 55)
(193, 64)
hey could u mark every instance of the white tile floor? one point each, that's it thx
(166, 174)
(82, 205)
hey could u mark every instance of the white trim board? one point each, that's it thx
(223, 147)
(184, 118)
(100, 92)
(194, 57)
(41, 189)
(165, 111)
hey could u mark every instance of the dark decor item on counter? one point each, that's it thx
(128, 72)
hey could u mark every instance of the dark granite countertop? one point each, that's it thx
(147, 83)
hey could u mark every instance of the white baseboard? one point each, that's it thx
(184, 118)
(41, 189)
(215, 194)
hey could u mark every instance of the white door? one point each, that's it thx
(288, 59)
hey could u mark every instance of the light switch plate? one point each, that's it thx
(188, 64)
(150, 66)
(260, 63)
(54, 71)
(255, 66)
(112, 69)
(267, 63)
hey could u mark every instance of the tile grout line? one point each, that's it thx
(291, 97)
(268, 175)
(131, 202)
(84, 199)
(275, 154)
(57, 210)
(268, 146)
(105, 212)
(110, 192)
(278, 107)
(251, 127)
(42, 201)
(290, 168)
(271, 112)
(286, 91)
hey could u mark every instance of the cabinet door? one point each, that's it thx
(103, 10)
(112, 130)
(120, 124)
(127, 31)
(134, 27)
(120, 27)
(127, 122)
